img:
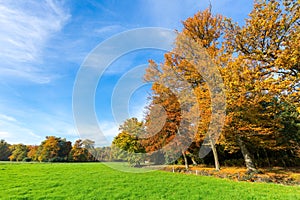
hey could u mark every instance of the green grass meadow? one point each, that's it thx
(97, 181)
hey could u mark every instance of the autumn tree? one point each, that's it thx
(54, 149)
(80, 151)
(90, 146)
(250, 111)
(33, 152)
(162, 121)
(262, 75)
(190, 63)
(168, 124)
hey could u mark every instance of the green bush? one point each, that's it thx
(26, 159)
(57, 159)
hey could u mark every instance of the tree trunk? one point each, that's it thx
(215, 153)
(267, 157)
(247, 156)
(193, 160)
(185, 160)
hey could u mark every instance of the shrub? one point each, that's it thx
(56, 159)
(26, 159)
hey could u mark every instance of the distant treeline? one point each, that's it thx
(54, 149)
(126, 147)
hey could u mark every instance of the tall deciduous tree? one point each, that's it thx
(204, 30)
(262, 74)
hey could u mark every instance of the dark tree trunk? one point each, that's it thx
(268, 160)
(247, 156)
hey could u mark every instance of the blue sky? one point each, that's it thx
(43, 44)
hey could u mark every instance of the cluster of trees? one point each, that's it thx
(259, 68)
(54, 149)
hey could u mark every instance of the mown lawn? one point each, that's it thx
(97, 181)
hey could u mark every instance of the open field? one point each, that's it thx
(97, 181)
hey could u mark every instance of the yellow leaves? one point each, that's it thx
(268, 31)
(204, 27)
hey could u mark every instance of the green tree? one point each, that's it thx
(126, 145)
(19, 152)
(103, 153)
(5, 151)
(288, 137)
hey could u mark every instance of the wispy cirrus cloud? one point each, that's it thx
(25, 29)
(7, 118)
(109, 29)
(12, 130)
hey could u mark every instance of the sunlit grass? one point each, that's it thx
(97, 181)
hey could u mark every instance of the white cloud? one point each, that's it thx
(4, 134)
(7, 118)
(109, 29)
(14, 132)
(22, 127)
(25, 28)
